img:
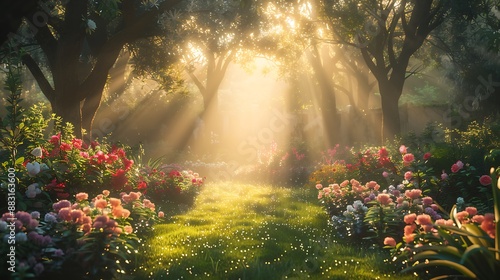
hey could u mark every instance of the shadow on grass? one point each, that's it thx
(238, 231)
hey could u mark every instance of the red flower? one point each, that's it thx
(455, 168)
(383, 152)
(427, 156)
(119, 179)
(77, 143)
(485, 180)
(142, 185)
(127, 163)
(65, 147)
(55, 139)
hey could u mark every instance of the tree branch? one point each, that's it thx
(37, 73)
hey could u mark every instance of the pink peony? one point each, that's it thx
(485, 180)
(389, 241)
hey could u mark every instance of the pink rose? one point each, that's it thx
(402, 149)
(485, 180)
(444, 176)
(408, 175)
(408, 158)
(455, 168)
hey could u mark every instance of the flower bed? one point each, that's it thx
(445, 217)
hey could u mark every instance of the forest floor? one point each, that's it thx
(249, 231)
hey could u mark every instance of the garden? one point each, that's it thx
(300, 139)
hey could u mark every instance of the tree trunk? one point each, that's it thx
(328, 104)
(69, 110)
(391, 123)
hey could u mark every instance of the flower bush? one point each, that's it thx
(408, 212)
(98, 237)
(169, 182)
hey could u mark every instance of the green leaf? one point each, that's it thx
(455, 266)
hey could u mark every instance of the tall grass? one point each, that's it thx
(239, 231)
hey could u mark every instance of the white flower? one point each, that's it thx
(33, 168)
(91, 25)
(37, 152)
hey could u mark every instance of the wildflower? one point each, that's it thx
(105, 193)
(385, 174)
(319, 186)
(142, 185)
(402, 149)
(427, 156)
(35, 215)
(161, 214)
(444, 176)
(485, 180)
(389, 241)
(33, 168)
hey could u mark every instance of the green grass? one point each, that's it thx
(238, 231)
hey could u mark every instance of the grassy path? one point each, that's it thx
(238, 231)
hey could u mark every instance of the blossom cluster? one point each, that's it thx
(51, 237)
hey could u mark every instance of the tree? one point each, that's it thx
(388, 33)
(81, 41)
